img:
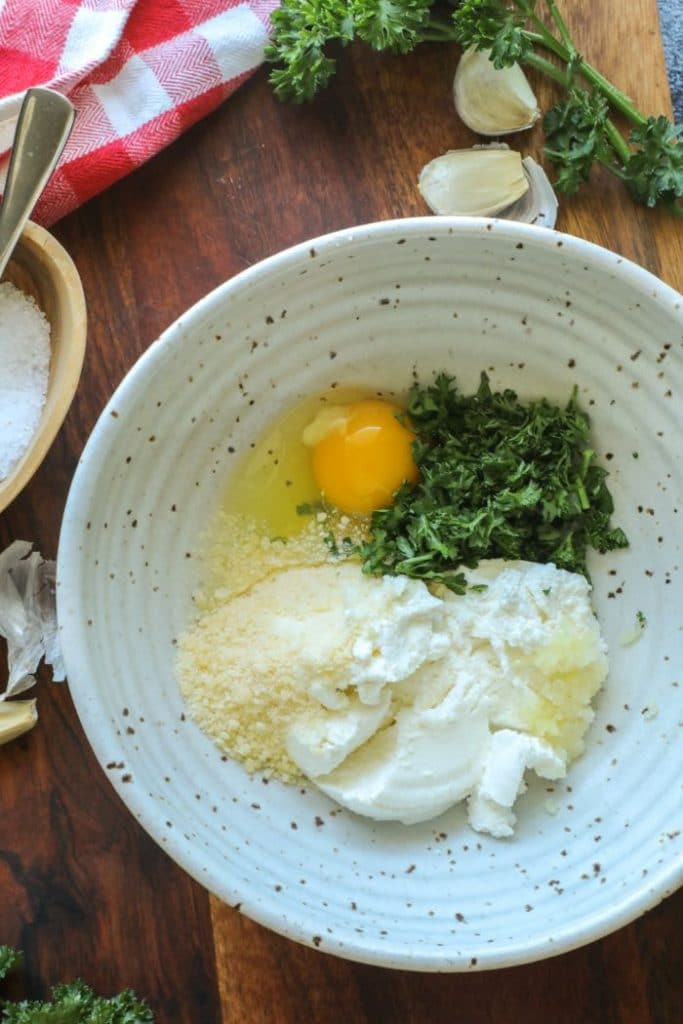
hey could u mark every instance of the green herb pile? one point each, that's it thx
(499, 478)
(74, 1003)
(579, 130)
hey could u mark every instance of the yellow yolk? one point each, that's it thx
(364, 456)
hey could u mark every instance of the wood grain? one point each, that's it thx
(265, 979)
(85, 891)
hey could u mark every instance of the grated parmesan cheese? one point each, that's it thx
(246, 702)
(237, 554)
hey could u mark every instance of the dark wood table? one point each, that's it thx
(84, 890)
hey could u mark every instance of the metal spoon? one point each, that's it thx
(43, 126)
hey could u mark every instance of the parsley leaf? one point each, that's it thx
(499, 478)
(390, 24)
(9, 959)
(304, 29)
(493, 25)
(575, 137)
(654, 172)
(74, 1003)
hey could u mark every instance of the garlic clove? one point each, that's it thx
(539, 204)
(493, 101)
(442, 180)
(16, 718)
(473, 182)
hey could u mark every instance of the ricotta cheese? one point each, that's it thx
(396, 701)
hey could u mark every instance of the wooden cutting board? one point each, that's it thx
(402, 110)
(625, 42)
(84, 890)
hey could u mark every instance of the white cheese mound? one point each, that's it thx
(508, 756)
(396, 702)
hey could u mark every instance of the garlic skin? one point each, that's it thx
(473, 182)
(493, 101)
(539, 205)
(16, 718)
(28, 616)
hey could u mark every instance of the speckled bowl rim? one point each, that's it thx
(659, 884)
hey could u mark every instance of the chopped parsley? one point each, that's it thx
(339, 548)
(310, 508)
(499, 478)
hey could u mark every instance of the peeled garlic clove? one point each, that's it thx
(493, 101)
(16, 718)
(539, 204)
(473, 182)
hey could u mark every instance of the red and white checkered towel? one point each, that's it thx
(139, 72)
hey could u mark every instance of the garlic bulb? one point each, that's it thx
(473, 182)
(493, 101)
(16, 718)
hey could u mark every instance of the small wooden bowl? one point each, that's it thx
(40, 267)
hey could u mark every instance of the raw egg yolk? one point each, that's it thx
(365, 457)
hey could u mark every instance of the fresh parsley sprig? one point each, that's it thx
(499, 478)
(579, 130)
(73, 1003)
(9, 959)
(304, 29)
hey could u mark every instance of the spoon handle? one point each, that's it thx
(43, 126)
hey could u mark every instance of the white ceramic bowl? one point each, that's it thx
(541, 312)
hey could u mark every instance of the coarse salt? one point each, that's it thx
(24, 370)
